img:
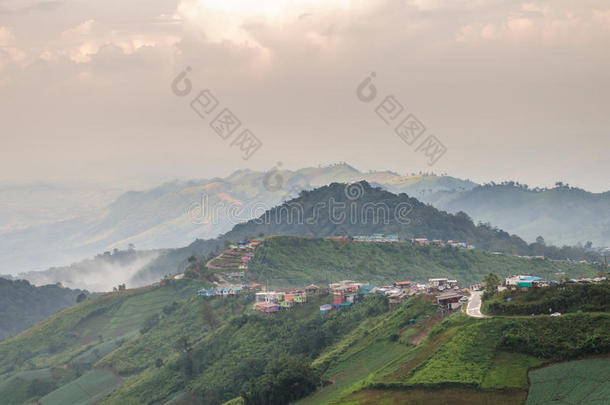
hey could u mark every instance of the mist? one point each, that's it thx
(99, 274)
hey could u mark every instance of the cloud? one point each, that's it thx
(86, 39)
(8, 51)
(259, 26)
(549, 23)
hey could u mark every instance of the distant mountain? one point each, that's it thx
(22, 305)
(359, 208)
(339, 209)
(176, 213)
(27, 205)
(562, 215)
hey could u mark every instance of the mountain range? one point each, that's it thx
(176, 213)
(336, 210)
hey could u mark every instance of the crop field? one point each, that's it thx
(509, 370)
(132, 313)
(87, 389)
(95, 353)
(583, 382)
(442, 396)
(465, 359)
(14, 390)
(357, 367)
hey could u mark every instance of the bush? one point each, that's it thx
(150, 323)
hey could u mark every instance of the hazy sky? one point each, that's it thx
(514, 90)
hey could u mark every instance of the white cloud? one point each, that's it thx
(86, 39)
(8, 50)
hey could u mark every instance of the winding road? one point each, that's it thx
(474, 305)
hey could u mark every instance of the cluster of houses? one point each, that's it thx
(274, 301)
(381, 238)
(348, 292)
(533, 281)
(243, 250)
(438, 242)
(344, 294)
(229, 291)
(376, 237)
(523, 281)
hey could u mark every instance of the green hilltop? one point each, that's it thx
(291, 260)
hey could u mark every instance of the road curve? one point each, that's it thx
(474, 305)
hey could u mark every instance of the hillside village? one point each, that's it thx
(233, 265)
(223, 319)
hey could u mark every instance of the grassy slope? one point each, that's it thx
(73, 340)
(288, 260)
(369, 347)
(469, 361)
(239, 350)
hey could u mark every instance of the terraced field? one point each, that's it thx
(87, 389)
(582, 382)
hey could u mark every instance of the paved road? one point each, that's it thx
(474, 305)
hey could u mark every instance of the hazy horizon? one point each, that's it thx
(513, 90)
(149, 183)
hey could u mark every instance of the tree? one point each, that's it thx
(540, 240)
(588, 245)
(81, 297)
(286, 379)
(150, 323)
(183, 344)
(492, 281)
(208, 315)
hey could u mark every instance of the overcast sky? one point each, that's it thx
(513, 90)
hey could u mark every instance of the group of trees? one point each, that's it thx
(556, 298)
(285, 380)
(265, 359)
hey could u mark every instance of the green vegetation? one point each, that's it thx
(22, 305)
(289, 260)
(85, 390)
(71, 342)
(558, 338)
(509, 370)
(475, 359)
(585, 382)
(285, 380)
(379, 211)
(166, 345)
(562, 298)
(219, 366)
(464, 360)
(422, 396)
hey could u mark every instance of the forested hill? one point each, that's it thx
(358, 208)
(22, 305)
(338, 209)
(562, 215)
